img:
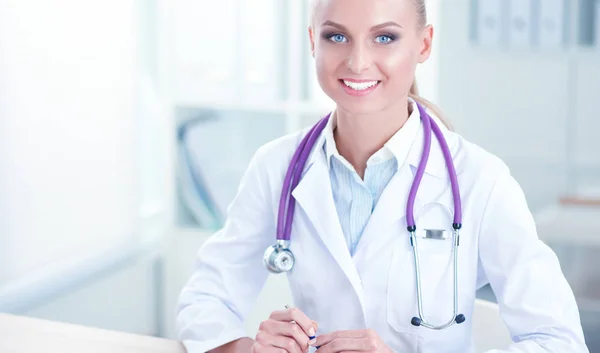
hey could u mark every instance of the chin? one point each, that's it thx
(359, 106)
(356, 103)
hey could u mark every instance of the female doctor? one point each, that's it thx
(385, 221)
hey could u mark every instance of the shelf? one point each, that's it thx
(589, 305)
(303, 108)
(543, 28)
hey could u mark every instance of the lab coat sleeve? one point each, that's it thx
(534, 298)
(229, 273)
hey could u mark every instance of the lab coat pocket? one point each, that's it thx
(401, 300)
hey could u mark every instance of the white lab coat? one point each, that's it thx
(376, 287)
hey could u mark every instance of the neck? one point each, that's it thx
(358, 137)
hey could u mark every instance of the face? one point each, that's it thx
(366, 51)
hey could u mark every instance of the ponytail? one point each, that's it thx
(414, 94)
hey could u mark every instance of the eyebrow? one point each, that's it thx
(374, 28)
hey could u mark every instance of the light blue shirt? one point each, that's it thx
(355, 198)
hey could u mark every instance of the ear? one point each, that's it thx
(426, 43)
(312, 41)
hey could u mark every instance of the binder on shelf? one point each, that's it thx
(490, 23)
(587, 17)
(520, 20)
(597, 25)
(551, 24)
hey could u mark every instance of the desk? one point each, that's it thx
(29, 335)
(572, 228)
(571, 221)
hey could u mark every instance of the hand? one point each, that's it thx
(350, 341)
(285, 331)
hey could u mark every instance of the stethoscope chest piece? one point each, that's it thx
(278, 258)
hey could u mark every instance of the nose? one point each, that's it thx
(359, 59)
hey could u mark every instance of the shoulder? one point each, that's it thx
(477, 168)
(470, 157)
(473, 163)
(487, 183)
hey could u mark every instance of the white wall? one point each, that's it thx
(522, 104)
(67, 150)
(85, 142)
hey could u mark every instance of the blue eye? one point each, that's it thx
(384, 39)
(338, 38)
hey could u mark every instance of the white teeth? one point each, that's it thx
(359, 86)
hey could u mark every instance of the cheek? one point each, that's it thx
(327, 64)
(325, 57)
(398, 67)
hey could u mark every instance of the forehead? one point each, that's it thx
(366, 13)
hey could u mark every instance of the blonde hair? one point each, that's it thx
(414, 94)
(421, 8)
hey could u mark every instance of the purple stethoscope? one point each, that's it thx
(278, 258)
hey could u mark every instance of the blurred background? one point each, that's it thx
(126, 125)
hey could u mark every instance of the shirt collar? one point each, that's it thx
(398, 146)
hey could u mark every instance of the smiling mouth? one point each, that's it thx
(360, 86)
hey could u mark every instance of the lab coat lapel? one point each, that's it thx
(314, 196)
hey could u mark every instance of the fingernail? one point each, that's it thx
(311, 331)
(313, 341)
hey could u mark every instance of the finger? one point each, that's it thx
(328, 337)
(295, 314)
(298, 317)
(288, 329)
(287, 344)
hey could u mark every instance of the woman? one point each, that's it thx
(353, 275)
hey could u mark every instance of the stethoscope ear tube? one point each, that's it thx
(428, 126)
